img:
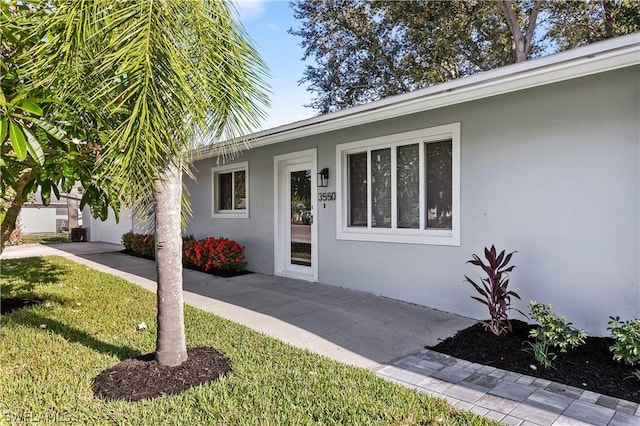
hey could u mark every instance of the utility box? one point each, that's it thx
(78, 234)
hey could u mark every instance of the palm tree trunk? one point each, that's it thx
(171, 349)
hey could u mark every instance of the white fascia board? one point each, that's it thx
(595, 58)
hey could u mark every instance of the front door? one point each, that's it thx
(296, 248)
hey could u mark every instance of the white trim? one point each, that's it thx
(281, 228)
(607, 55)
(410, 236)
(235, 213)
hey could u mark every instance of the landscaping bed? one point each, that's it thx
(217, 256)
(142, 377)
(589, 366)
(216, 272)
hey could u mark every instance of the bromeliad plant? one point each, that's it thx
(494, 289)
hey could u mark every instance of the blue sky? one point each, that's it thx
(267, 23)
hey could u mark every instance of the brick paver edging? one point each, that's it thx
(510, 398)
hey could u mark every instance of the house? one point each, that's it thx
(394, 197)
(110, 231)
(59, 215)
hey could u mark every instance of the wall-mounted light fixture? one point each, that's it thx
(323, 178)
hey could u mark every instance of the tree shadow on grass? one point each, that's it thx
(28, 318)
(21, 275)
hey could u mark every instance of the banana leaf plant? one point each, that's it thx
(494, 290)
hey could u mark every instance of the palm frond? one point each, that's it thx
(181, 69)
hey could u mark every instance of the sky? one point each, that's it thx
(267, 22)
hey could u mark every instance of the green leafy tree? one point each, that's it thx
(573, 24)
(162, 73)
(366, 50)
(47, 141)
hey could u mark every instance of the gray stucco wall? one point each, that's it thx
(552, 172)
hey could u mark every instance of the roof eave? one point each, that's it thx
(592, 59)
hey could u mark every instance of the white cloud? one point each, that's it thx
(273, 27)
(250, 9)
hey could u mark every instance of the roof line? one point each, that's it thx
(594, 58)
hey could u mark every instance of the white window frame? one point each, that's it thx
(230, 168)
(431, 236)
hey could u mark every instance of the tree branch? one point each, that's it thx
(512, 20)
(533, 17)
(521, 42)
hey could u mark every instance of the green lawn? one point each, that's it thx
(47, 238)
(91, 323)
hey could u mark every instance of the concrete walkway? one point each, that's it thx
(383, 335)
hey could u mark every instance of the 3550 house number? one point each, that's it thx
(326, 196)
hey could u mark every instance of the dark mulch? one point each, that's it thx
(590, 366)
(217, 273)
(142, 377)
(223, 274)
(10, 304)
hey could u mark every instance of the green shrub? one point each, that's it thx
(127, 240)
(626, 348)
(140, 244)
(553, 332)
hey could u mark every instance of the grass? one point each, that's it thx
(91, 324)
(46, 238)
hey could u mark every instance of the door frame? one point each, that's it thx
(282, 216)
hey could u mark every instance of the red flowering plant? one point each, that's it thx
(209, 254)
(188, 242)
(216, 254)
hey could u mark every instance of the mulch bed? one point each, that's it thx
(217, 273)
(142, 377)
(590, 366)
(10, 304)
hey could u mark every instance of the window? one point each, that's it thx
(230, 190)
(401, 188)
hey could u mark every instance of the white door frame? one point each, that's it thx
(282, 215)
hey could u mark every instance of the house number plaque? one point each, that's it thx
(326, 196)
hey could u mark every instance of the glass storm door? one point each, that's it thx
(295, 241)
(300, 216)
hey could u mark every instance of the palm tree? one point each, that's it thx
(161, 72)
